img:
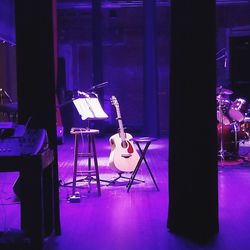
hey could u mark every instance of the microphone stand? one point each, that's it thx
(221, 152)
(2, 93)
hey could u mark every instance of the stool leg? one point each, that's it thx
(96, 165)
(150, 172)
(142, 157)
(89, 159)
(89, 137)
(132, 178)
(75, 164)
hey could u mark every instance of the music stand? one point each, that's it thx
(89, 108)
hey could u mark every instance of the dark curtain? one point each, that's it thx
(193, 194)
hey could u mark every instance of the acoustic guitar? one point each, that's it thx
(123, 156)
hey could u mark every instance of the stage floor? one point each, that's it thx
(118, 220)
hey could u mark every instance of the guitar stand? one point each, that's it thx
(87, 178)
(122, 177)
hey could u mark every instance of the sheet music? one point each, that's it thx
(89, 108)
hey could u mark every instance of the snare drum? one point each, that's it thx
(238, 110)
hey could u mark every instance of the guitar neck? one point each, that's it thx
(119, 119)
(120, 123)
(121, 128)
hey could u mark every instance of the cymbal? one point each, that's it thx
(223, 91)
(222, 98)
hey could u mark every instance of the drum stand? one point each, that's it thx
(236, 138)
(221, 151)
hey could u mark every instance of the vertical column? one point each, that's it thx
(193, 194)
(150, 70)
(97, 43)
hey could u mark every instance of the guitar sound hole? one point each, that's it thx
(124, 144)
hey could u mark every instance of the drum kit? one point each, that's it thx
(233, 124)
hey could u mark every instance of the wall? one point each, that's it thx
(122, 60)
(122, 56)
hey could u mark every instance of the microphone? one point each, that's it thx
(98, 86)
(225, 60)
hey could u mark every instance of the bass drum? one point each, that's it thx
(245, 127)
(228, 135)
(223, 118)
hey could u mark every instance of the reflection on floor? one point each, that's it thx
(119, 220)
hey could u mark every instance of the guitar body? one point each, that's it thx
(123, 156)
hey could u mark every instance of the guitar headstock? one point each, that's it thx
(114, 101)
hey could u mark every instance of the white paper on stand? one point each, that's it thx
(89, 108)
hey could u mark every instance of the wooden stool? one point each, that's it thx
(89, 173)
